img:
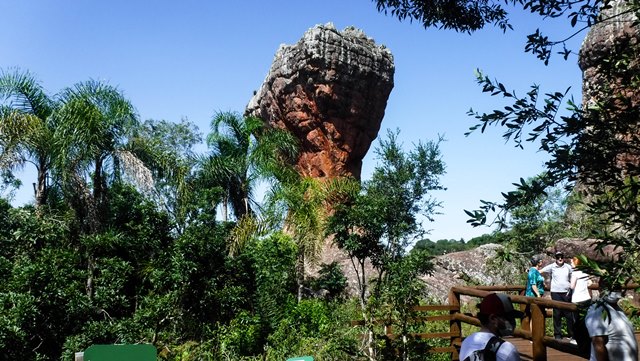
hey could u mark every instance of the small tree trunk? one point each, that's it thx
(40, 189)
(91, 267)
(300, 274)
(225, 209)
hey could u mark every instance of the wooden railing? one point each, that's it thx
(448, 314)
(532, 326)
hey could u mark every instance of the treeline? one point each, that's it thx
(444, 246)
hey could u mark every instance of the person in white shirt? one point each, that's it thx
(497, 316)
(580, 282)
(612, 334)
(560, 274)
(581, 297)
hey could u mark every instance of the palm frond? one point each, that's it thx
(136, 170)
(24, 93)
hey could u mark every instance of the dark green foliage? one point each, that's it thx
(275, 282)
(312, 327)
(458, 15)
(496, 237)
(469, 16)
(381, 222)
(332, 279)
(442, 246)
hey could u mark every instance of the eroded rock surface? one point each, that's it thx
(609, 41)
(330, 90)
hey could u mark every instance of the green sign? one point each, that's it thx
(301, 358)
(143, 352)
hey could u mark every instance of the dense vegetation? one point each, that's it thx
(133, 237)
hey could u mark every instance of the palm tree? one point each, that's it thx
(306, 203)
(95, 122)
(243, 151)
(26, 127)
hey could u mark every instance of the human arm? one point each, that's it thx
(599, 347)
(574, 280)
(535, 290)
(546, 268)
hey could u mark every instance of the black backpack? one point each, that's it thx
(488, 353)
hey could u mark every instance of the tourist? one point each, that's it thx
(581, 297)
(497, 316)
(580, 282)
(612, 334)
(535, 281)
(560, 274)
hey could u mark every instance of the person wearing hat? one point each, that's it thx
(497, 316)
(560, 274)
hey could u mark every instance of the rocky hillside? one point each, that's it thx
(478, 266)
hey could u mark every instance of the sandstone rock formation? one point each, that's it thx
(330, 90)
(478, 266)
(610, 40)
(610, 62)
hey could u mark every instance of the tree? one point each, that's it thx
(95, 122)
(593, 150)
(244, 150)
(166, 149)
(381, 221)
(301, 205)
(469, 16)
(27, 128)
(536, 225)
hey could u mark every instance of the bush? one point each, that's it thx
(330, 278)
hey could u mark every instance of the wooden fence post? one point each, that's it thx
(455, 327)
(525, 323)
(537, 333)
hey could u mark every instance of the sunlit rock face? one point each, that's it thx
(330, 90)
(610, 62)
(611, 40)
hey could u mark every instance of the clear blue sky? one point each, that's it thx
(189, 58)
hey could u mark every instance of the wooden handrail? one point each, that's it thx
(538, 309)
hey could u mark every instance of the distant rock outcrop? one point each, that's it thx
(474, 267)
(330, 90)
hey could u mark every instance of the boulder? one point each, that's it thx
(588, 247)
(475, 267)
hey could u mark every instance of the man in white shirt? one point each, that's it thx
(560, 274)
(497, 317)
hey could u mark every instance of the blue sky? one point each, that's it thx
(190, 59)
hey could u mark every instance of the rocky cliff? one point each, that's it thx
(330, 90)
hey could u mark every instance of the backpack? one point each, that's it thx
(488, 353)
